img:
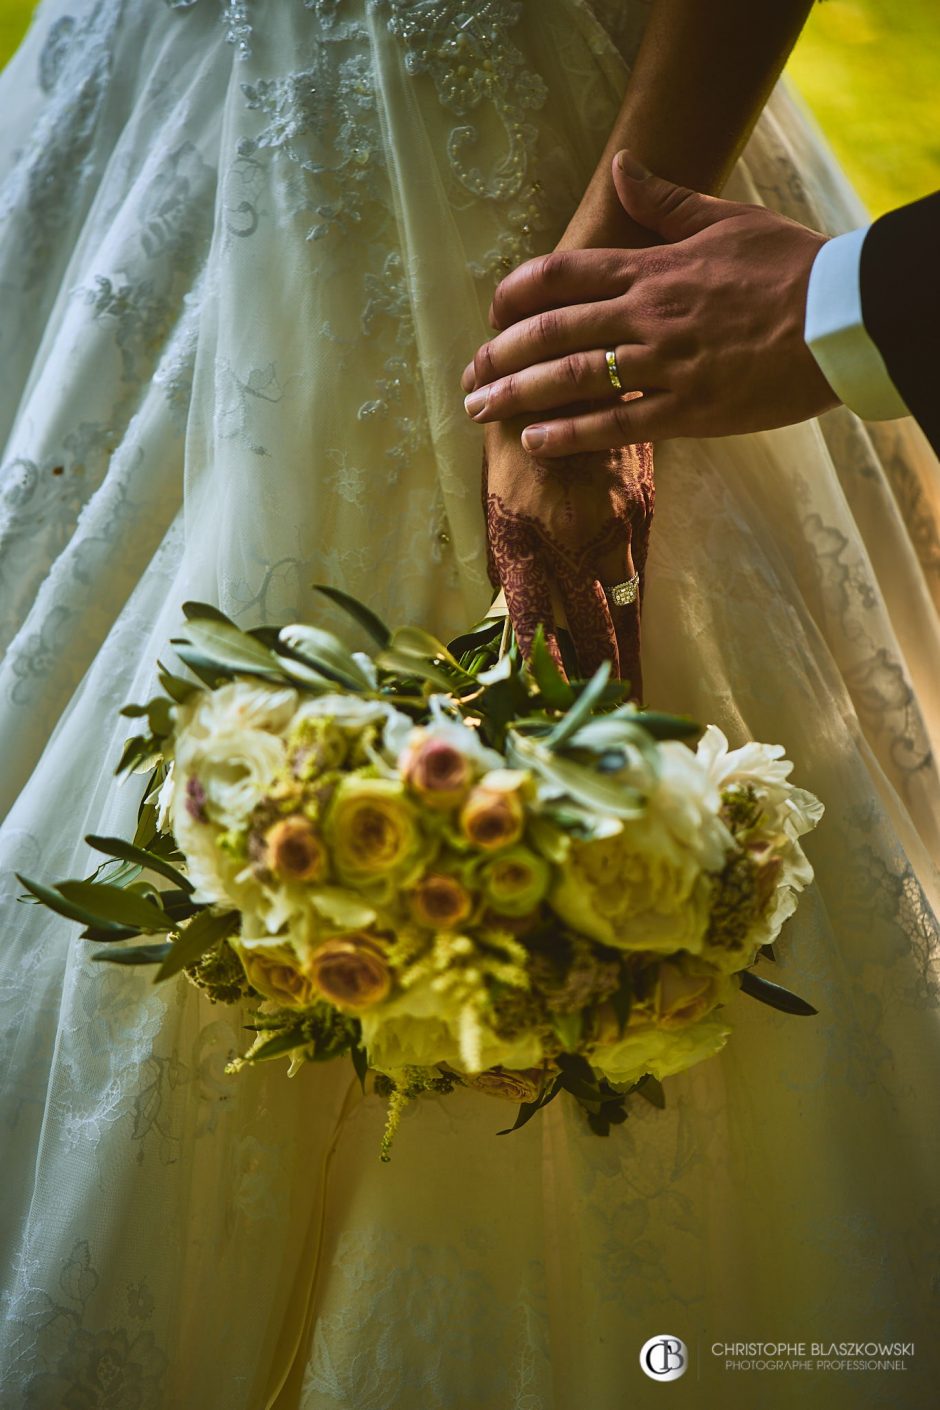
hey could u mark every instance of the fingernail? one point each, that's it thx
(629, 165)
(475, 402)
(533, 437)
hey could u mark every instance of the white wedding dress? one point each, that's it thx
(245, 252)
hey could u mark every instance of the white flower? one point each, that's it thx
(659, 1051)
(244, 703)
(686, 800)
(222, 778)
(787, 813)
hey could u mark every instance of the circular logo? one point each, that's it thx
(664, 1358)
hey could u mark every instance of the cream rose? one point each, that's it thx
(276, 972)
(637, 890)
(658, 1051)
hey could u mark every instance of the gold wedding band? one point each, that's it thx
(622, 594)
(612, 373)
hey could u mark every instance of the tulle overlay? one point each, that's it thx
(245, 251)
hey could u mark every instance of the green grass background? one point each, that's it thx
(869, 69)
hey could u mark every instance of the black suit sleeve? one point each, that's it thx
(900, 285)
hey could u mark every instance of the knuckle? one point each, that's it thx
(546, 325)
(574, 370)
(622, 419)
(484, 365)
(551, 267)
(503, 393)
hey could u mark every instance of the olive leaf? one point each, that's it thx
(206, 930)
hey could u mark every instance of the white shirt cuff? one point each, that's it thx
(836, 335)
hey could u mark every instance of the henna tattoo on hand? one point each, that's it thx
(574, 526)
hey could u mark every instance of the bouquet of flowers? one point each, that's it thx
(453, 865)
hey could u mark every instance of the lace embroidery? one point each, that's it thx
(89, 1368)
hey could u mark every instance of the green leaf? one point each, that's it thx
(204, 611)
(104, 936)
(399, 664)
(139, 954)
(361, 614)
(116, 872)
(207, 672)
(141, 752)
(304, 674)
(568, 1027)
(279, 1045)
(227, 647)
(662, 726)
(176, 687)
(581, 710)
(412, 641)
(477, 637)
(199, 936)
(577, 1076)
(117, 847)
(360, 1061)
(113, 903)
(326, 653)
(652, 1089)
(774, 995)
(71, 910)
(553, 688)
(528, 1109)
(579, 781)
(342, 908)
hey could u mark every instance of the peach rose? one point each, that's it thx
(438, 772)
(351, 972)
(494, 815)
(513, 1086)
(294, 851)
(439, 901)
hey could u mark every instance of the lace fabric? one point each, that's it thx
(245, 252)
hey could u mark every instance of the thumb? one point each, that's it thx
(674, 212)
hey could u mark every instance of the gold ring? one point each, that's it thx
(612, 373)
(622, 594)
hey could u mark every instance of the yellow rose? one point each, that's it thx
(276, 972)
(373, 829)
(351, 972)
(515, 881)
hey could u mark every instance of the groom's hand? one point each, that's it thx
(708, 326)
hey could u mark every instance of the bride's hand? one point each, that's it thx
(558, 534)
